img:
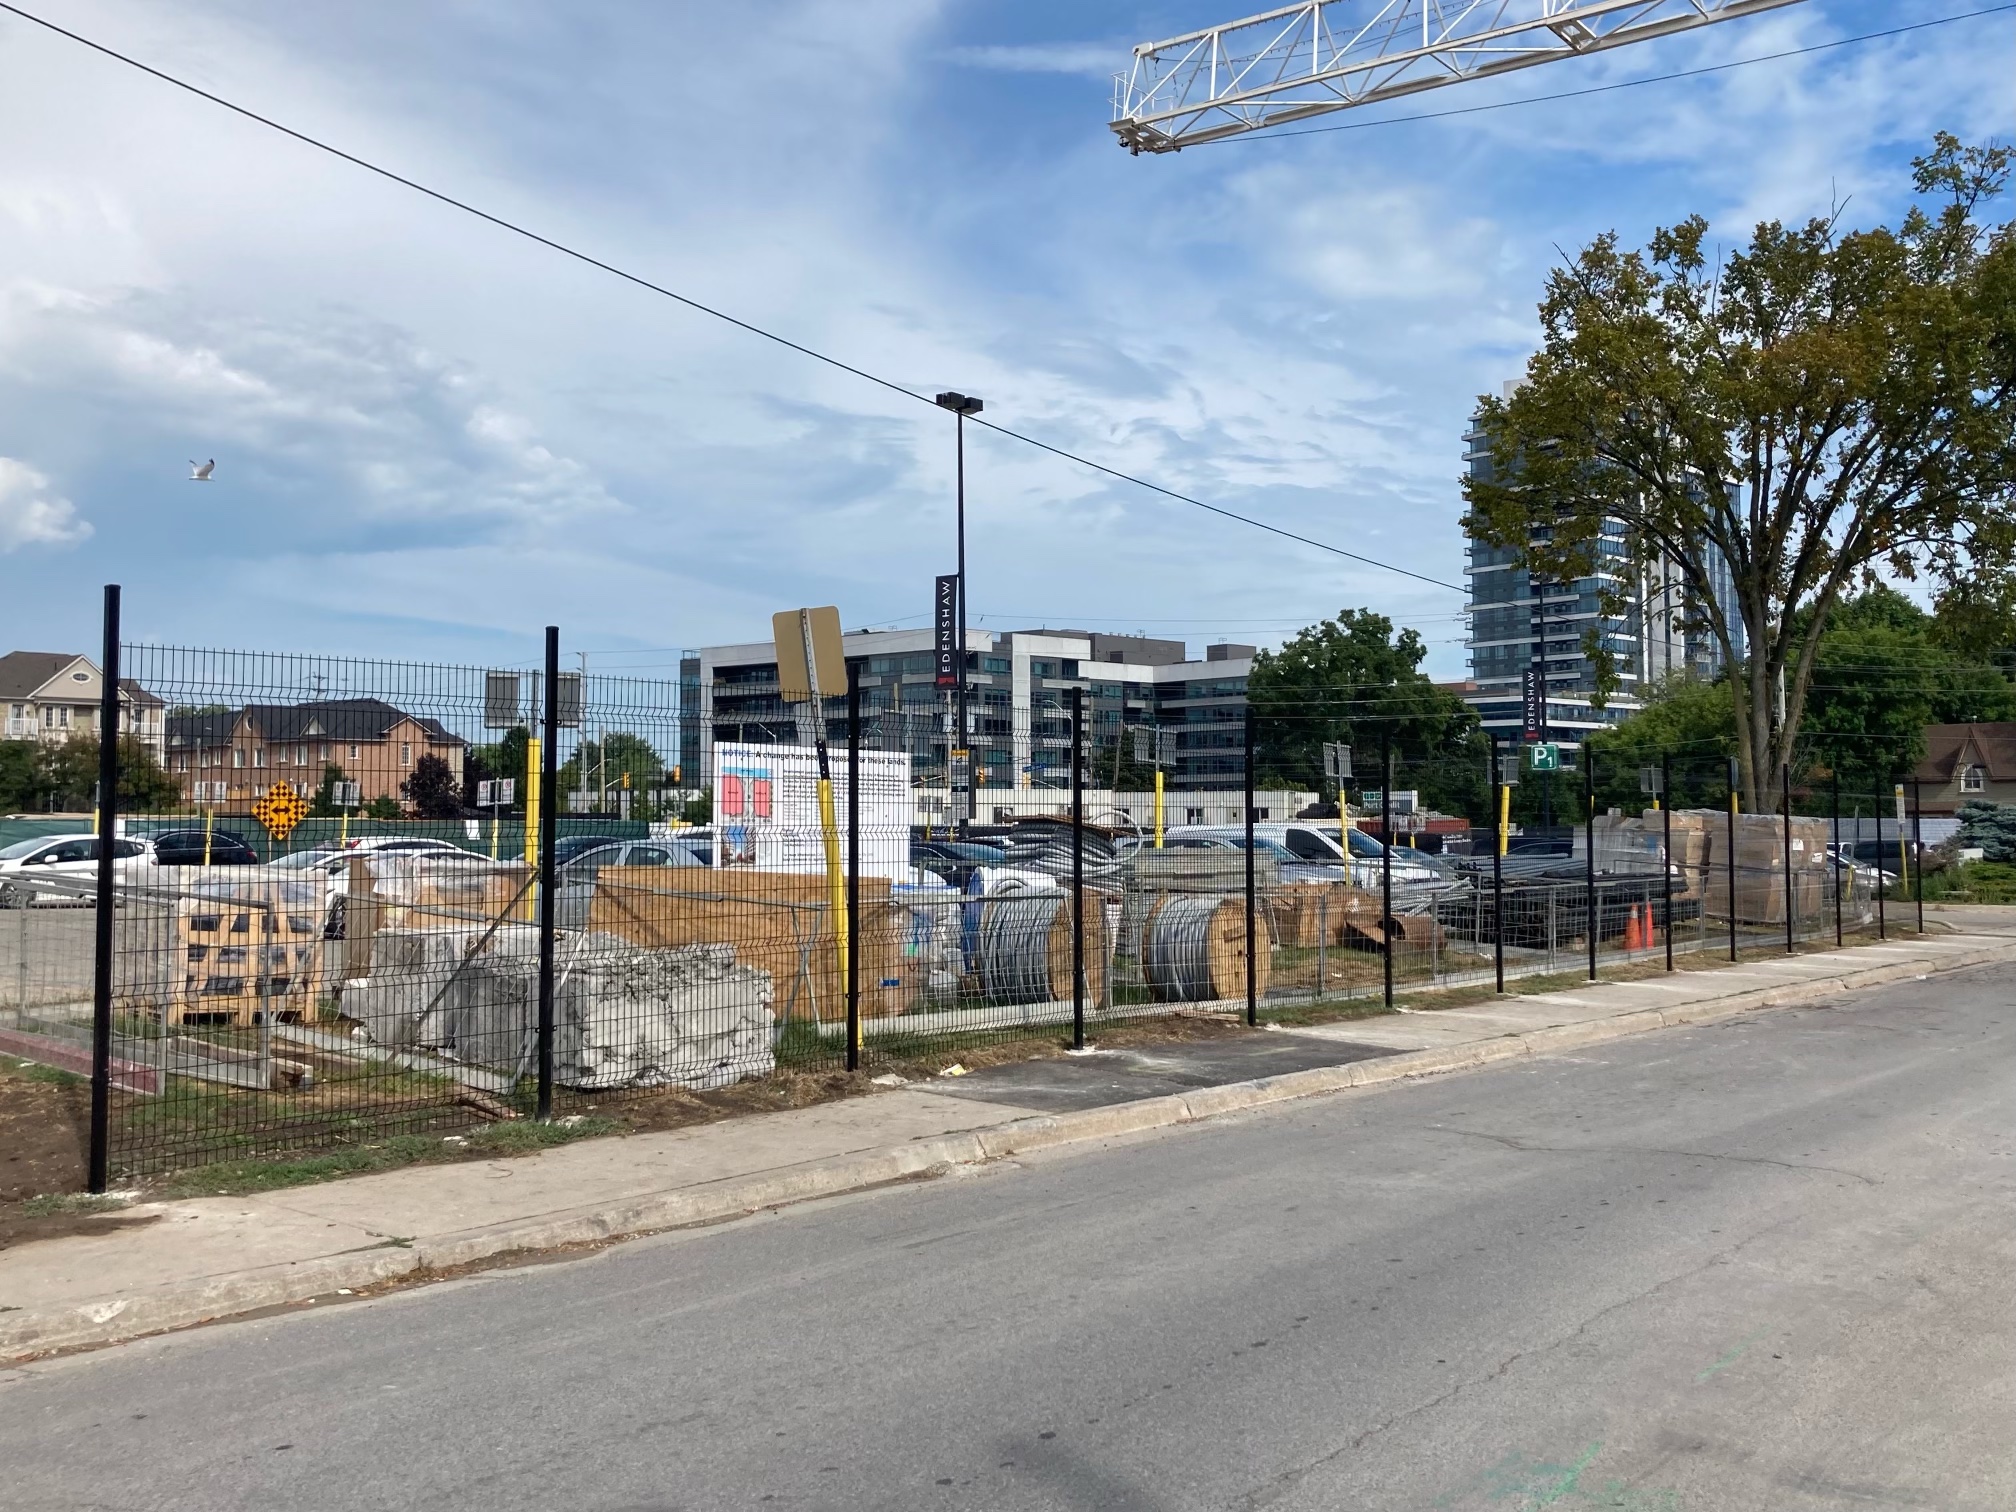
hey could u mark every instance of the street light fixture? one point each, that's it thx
(962, 405)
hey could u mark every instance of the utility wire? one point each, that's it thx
(1576, 94)
(705, 309)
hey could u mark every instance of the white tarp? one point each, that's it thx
(766, 809)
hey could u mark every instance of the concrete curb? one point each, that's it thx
(37, 1331)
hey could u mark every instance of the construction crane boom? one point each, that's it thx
(1312, 58)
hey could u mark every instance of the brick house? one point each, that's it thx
(1966, 763)
(227, 758)
(53, 695)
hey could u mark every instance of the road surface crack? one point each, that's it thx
(1512, 1142)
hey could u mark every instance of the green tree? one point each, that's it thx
(1350, 680)
(1880, 676)
(505, 759)
(608, 761)
(1687, 722)
(323, 804)
(1815, 409)
(18, 787)
(384, 807)
(433, 790)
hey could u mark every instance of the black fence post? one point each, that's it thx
(853, 866)
(1386, 857)
(549, 730)
(1666, 849)
(1252, 934)
(100, 1172)
(1917, 855)
(1882, 925)
(1837, 873)
(1595, 920)
(1734, 774)
(1791, 896)
(1497, 865)
(1078, 866)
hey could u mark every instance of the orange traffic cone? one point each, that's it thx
(1633, 940)
(1651, 934)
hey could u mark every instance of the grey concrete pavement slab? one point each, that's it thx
(1105, 1077)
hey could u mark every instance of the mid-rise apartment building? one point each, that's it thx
(1018, 698)
(1521, 623)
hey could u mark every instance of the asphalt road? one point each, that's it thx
(1761, 1266)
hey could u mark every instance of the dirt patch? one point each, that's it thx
(45, 1128)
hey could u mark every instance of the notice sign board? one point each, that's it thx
(766, 809)
(945, 630)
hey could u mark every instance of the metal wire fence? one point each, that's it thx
(360, 899)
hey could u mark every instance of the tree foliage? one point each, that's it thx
(433, 790)
(1352, 680)
(1820, 408)
(41, 776)
(1881, 675)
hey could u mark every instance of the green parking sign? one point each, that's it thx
(1546, 758)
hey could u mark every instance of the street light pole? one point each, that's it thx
(961, 406)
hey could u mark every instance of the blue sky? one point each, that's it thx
(433, 438)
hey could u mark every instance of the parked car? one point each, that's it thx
(1292, 868)
(414, 843)
(70, 861)
(189, 847)
(567, 847)
(578, 878)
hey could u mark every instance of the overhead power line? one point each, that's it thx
(696, 305)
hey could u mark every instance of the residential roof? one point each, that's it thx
(342, 719)
(1946, 746)
(24, 673)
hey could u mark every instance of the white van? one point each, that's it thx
(1313, 841)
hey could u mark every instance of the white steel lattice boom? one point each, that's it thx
(1324, 55)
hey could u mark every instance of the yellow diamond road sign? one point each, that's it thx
(280, 810)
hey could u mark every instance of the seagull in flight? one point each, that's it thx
(199, 472)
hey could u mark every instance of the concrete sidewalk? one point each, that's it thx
(214, 1257)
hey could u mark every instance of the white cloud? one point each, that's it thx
(1094, 60)
(30, 515)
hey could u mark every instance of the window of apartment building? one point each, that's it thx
(1193, 816)
(999, 664)
(1070, 667)
(1974, 779)
(1042, 669)
(353, 753)
(181, 763)
(405, 753)
(259, 756)
(322, 752)
(237, 756)
(300, 755)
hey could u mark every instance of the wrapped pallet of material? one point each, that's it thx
(624, 1016)
(1761, 850)
(403, 992)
